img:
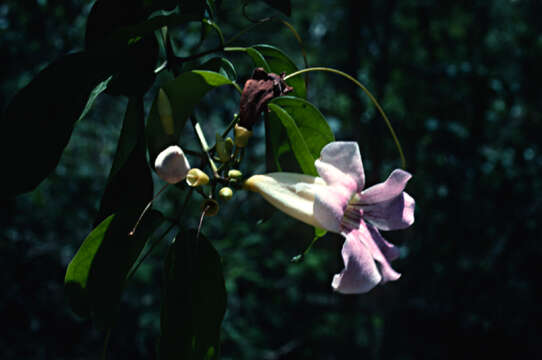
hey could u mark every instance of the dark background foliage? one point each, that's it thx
(460, 82)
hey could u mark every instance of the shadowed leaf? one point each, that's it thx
(38, 122)
(95, 277)
(194, 300)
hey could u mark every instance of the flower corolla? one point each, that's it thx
(337, 201)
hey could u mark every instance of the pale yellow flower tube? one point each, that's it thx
(291, 193)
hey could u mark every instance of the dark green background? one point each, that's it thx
(460, 82)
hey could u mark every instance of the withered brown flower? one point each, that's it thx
(261, 88)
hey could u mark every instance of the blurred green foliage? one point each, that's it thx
(459, 81)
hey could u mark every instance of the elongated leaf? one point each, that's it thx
(220, 65)
(296, 140)
(279, 63)
(95, 277)
(129, 185)
(184, 93)
(194, 300)
(38, 122)
(258, 59)
(100, 88)
(310, 121)
(311, 125)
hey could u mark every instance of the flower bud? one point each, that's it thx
(196, 177)
(171, 165)
(235, 174)
(222, 150)
(241, 136)
(229, 144)
(225, 194)
(165, 112)
(210, 207)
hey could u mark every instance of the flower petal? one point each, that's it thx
(389, 189)
(172, 165)
(360, 273)
(340, 166)
(375, 243)
(390, 251)
(329, 205)
(362, 251)
(394, 214)
(291, 193)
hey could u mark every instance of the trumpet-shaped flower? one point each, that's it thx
(336, 201)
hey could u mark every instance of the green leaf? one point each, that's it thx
(209, 24)
(279, 63)
(93, 95)
(258, 59)
(95, 277)
(297, 143)
(184, 93)
(194, 300)
(220, 65)
(129, 185)
(310, 121)
(38, 122)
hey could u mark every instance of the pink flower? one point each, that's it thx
(337, 202)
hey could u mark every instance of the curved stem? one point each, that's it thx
(131, 233)
(159, 239)
(367, 92)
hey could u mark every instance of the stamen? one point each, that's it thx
(352, 217)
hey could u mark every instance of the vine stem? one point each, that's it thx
(204, 146)
(131, 233)
(367, 92)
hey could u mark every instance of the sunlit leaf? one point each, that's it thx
(220, 65)
(258, 59)
(194, 300)
(297, 143)
(184, 93)
(279, 63)
(284, 141)
(310, 121)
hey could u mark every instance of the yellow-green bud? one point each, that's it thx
(225, 194)
(165, 112)
(223, 154)
(229, 144)
(210, 207)
(241, 135)
(196, 177)
(235, 174)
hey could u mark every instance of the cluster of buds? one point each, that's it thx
(172, 165)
